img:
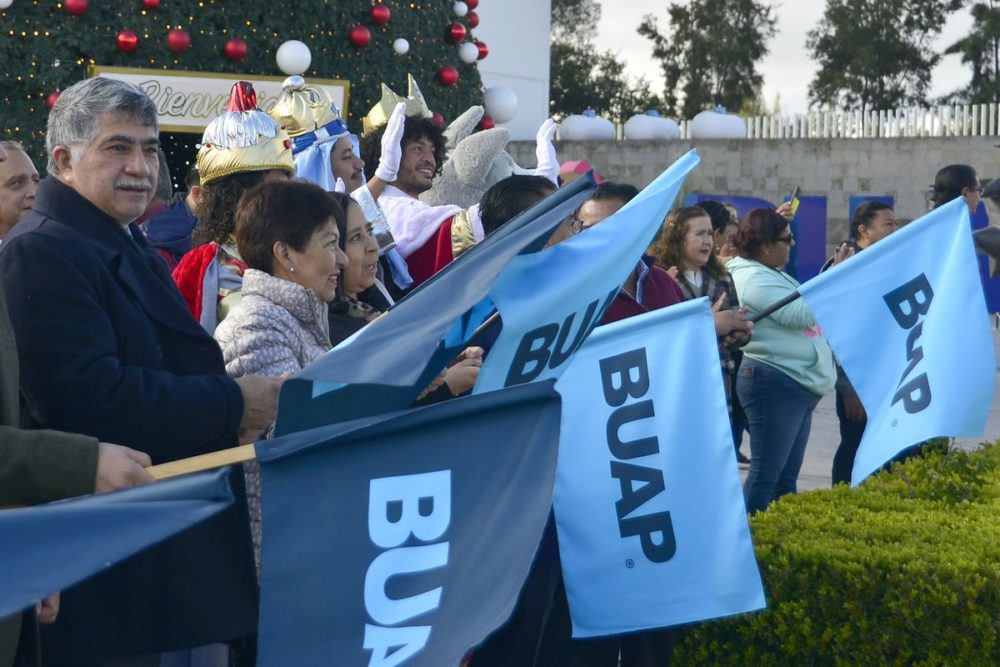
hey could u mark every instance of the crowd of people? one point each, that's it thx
(139, 327)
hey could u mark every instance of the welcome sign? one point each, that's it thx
(188, 101)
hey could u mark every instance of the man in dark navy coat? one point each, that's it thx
(108, 349)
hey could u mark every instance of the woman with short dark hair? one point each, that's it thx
(787, 365)
(287, 233)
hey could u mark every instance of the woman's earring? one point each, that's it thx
(291, 269)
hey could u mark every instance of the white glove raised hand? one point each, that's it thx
(392, 149)
(548, 163)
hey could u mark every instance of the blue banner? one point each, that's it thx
(389, 362)
(649, 510)
(551, 300)
(907, 320)
(50, 547)
(404, 538)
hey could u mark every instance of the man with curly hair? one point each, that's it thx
(414, 223)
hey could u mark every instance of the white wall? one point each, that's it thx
(517, 34)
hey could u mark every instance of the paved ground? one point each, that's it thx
(825, 436)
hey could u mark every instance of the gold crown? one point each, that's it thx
(415, 106)
(243, 139)
(302, 109)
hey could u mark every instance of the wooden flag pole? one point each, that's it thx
(203, 462)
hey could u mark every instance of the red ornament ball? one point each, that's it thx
(447, 76)
(150, 4)
(438, 119)
(473, 19)
(483, 49)
(235, 49)
(76, 7)
(127, 41)
(472, 4)
(456, 33)
(380, 14)
(359, 37)
(178, 41)
(50, 101)
(486, 123)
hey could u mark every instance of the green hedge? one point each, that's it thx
(903, 570)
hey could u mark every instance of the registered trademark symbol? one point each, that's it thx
(629, 563)
(895, 422)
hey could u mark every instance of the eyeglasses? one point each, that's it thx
(785, 239)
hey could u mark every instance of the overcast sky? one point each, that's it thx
(787, 69)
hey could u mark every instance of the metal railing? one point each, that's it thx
(968, 120)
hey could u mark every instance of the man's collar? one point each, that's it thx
(393, 191)
(58, 200)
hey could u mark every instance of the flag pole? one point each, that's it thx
(484, 326)
(776, 306)
(203, 462)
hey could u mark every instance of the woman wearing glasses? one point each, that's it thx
(787, 365)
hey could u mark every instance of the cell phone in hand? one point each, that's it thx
(794, 199)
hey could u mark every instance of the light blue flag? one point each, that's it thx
(907, 320)
(50, 547)
(649, 510)
(550, 300)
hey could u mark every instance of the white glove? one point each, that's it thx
(392, 149)
(340, 186)
(548, 163)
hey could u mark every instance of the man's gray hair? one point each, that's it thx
(73, 121)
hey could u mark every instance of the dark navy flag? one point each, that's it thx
(652, 525)
(403, 539)
(551, 300)
(51, 547)
(908, 322)
(389, 362)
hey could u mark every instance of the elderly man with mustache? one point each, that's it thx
(108, 349)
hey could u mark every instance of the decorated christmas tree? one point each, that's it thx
(46, 46)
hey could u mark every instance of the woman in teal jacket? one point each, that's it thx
(787, 365)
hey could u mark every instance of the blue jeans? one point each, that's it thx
(779, 413)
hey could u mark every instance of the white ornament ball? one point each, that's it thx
(500, 102)
(460, 9)
(468, 52)
(4, 4)
(401, 46)
(293, 57)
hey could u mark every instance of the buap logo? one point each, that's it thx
(908, 303)
(414, 510)
(623, 377)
